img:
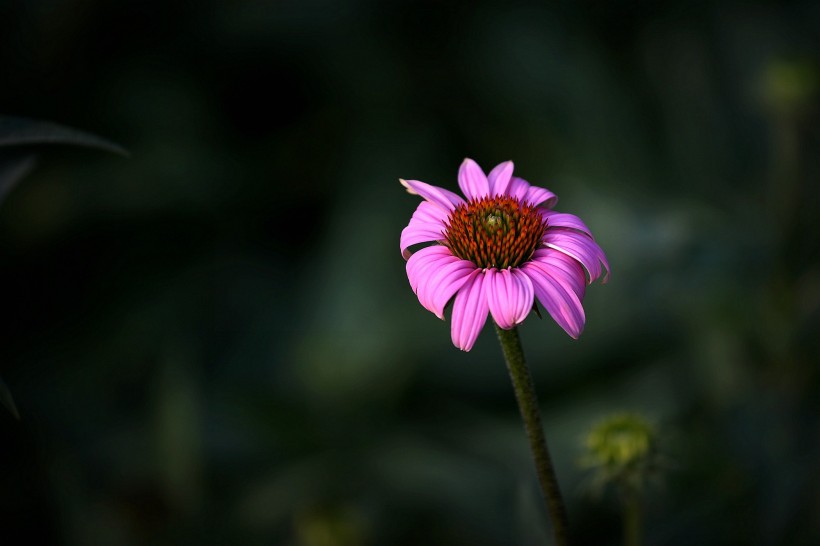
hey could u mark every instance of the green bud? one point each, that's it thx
(621, 450)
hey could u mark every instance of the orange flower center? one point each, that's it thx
(498, 232)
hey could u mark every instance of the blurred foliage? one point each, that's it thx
(20, 135)
(8, 400)
(214, 341)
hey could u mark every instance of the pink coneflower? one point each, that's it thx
(498, 251)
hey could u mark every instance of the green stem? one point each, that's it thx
(528, 404)
(632, 520)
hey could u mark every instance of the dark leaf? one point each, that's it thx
(20, 132)
(7, 400)
(13, 168)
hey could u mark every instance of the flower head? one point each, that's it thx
(496, 252)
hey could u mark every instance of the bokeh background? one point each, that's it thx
(213, 341)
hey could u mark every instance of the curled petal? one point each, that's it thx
(437, 286)
(430, 213)
(541, 196)
(581, 247)
(560, 301)
(436, 275)
(518, 188)
(565, 269)
(524, 191)
(439, 196)
(412, 235)
(469, 311)
(426, 225)
(499, 178)
(564, 220)
(472, 180)
(422, 263)
(509, 296)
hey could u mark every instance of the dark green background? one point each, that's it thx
(214, 340)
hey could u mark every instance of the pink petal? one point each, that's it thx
(560, 301)
(565, 269)
(472, 180)
(413, 235)
(524, 191)
(439, 196)
(437, 286)
(509, 296)
(428, 212)
(541, 196)
(425, 260)
(581, 247)
(518, 188)
(427, 224)
(561, 219)
(499, 178)
(469, 311)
